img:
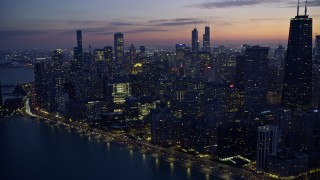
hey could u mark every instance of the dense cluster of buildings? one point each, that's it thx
(255, 102)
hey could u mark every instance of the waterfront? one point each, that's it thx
(35, 150)
(32, 149)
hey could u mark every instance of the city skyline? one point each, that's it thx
(52, 24)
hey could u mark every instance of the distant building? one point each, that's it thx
(297, 88)
(142, 49)
(78, 52)
(99, 55)
(195, 41)
(118, 48)
(206, 39)
(108, 54)
(133, 54)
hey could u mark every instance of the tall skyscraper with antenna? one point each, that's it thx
(297, 87)
(195, 40)
(206, 38)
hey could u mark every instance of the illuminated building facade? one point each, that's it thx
(93, 111)
(99, 55)
(119, 90)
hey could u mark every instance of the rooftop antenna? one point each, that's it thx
(298, 8)
(305, 11)
(195, 24)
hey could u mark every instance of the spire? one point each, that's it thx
(305, 11)
(298, 8)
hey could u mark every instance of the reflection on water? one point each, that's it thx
(188, 173)
(157, 162)
(207, 176)
(171, 167)
(131, 153)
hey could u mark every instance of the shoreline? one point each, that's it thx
(205, 166)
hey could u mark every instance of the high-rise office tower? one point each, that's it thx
(118, 48)
(206, 39)
(317, 50)
(79, 47)
(108, 55)
(255, 74)
(79, 42)
(297, 86)
(41, 84)
(267, 144)
(77, 63)
(133, 54)
(0, 94)
(316, 73)
(56, 87)
(195, 41)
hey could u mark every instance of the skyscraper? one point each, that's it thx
(297, 87)
(255, 74)
(317, 50)
(0, 94)
(268, 137)
(78, 52)
(79, 42)
(118, 48)
(206, 39)
(195, 41)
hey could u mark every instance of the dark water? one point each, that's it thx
(33, 150)
(14, 76)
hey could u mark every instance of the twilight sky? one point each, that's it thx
(52, 23)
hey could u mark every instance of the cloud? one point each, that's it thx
(231, 3)
(145, 30)
(22, 32)
(264, 19)
(175, 22)
(123, 24)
